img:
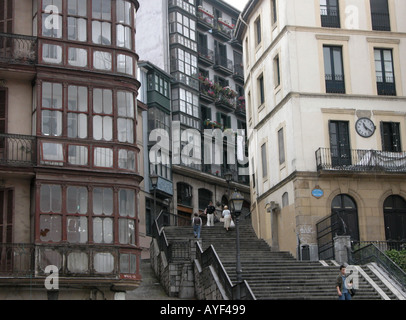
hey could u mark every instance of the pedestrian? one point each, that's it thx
(341, 285)
(209, 211)
(197, 225)
(227, 217)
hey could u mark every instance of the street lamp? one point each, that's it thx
(236, 203)
(228, 176)
(154, 182)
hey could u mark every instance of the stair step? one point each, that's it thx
(270, 275)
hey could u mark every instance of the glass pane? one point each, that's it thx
(108, 201)
(107, 101)
(78, 262)
(98, 201)
(108, 128)
(77, 229)
(50, 228)
(104, 262)
(103, 157)
(97, 127)
(78, 155)
(124, 263)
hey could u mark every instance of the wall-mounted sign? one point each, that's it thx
(317, 193)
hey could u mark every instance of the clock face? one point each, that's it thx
(365, 127)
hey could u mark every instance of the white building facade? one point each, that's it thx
(326, 116)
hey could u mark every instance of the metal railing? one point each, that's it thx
(18, 149)
(78, 260)
(371, 253)
(205, 53)
(380, 21)
(361, 160)
(224, 62)
(15, 48)
(208, 258)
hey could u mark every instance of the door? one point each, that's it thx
(394, 209)
(6, 229)
(344, 218)
(340, 143)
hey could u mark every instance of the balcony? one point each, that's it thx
(225, 102)
(330, 18)
(366, 161)
(240, 109)
(223, 30)
(205, 19)
(206, 56)
(239, 73)
(80, 263)
(17, 150)
(223, 65)
(18, 49)
(386, 86)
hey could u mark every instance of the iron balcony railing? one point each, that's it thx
(18, 150)
(222, 61)
(18, 49)
(351, 160)
(330, 17)
(72, 260)
(205, 53)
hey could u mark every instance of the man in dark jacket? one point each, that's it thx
(341, 286)
(209, 211)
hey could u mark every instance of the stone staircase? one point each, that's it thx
(273, 275)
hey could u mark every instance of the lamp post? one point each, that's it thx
(228, 176)
(154, 182)
(236, 203)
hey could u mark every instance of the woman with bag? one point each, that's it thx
(227, 217)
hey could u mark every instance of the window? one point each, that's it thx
(184, 192)
(125, 64)
(330, 14)
(78, 155)
(281, 146)
(101, 25)
(125, 120)
(3, 113)
(261, 89)
(123, 28)
(126, 159)
(385, 78)
(103, 157)
(333, 68)
(340, 143)
(102, 60)
(77, 23)
(126, 208)
(6, 16)
(390, 133)
(77, 57)
(51, 53)
(6, 220)
(50, 210)
(77, 112)
(52, 18)
(277, 74)
(380, 15)
(274, 11)
(102, 114)
(103, 215)
(258, 30)
(264, 161)
(51, 109)
(76, 205)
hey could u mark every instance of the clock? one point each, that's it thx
(365, 127)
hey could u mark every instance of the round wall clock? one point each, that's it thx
(365, 127)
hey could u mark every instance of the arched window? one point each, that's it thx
(184, 192)
(394, 210)
(345, 216)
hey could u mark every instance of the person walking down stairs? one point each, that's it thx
(197, 225)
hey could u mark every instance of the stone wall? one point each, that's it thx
(186, 279)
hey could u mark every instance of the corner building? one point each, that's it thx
(325, 87)
(69, 178)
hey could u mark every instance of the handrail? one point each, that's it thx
(210, 257)
(371, 253)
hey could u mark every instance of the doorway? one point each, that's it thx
(394, 210)
(344, 216)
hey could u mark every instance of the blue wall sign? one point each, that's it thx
(317, 193)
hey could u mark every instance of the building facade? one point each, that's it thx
(207, 101)
(69, 165)
(325, 88)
